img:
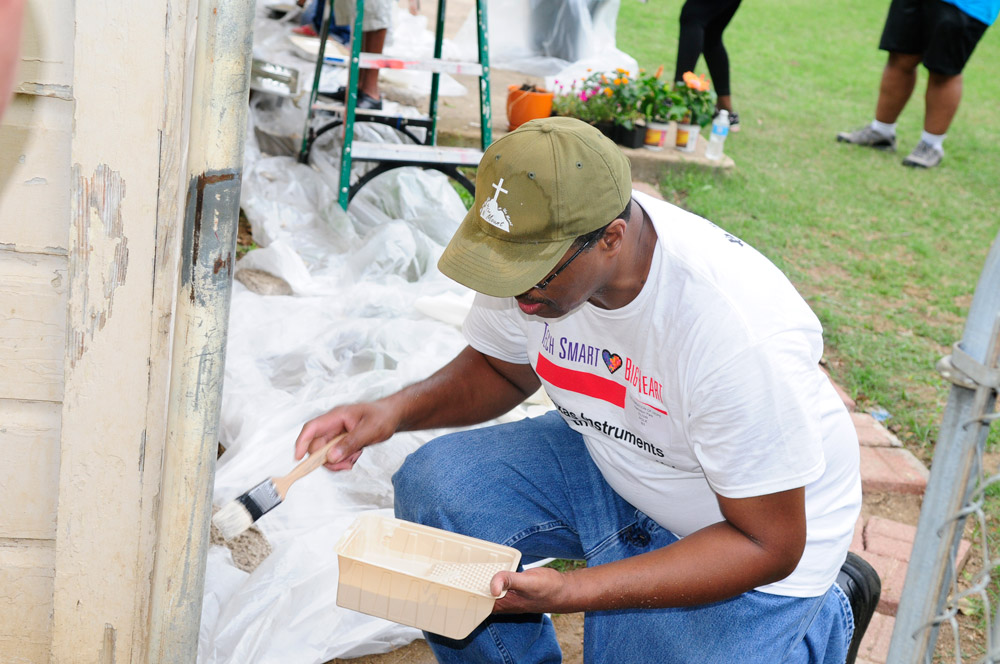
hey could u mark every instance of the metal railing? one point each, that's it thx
(959, 488)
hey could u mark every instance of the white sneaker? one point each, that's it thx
(924, 155)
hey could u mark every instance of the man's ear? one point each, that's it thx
(614, 237)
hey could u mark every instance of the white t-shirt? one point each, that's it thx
(707, 382)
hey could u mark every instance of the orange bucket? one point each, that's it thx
(524, 105)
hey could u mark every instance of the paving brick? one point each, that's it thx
(892, 572)
(874, 647)
(895, 539)
(872, 433)
(892, 470)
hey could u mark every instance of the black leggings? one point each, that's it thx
(702, 24)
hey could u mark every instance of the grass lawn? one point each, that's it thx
(888, 257)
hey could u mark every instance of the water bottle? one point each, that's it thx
(720, 129)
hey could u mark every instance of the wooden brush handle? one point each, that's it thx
(306, 466)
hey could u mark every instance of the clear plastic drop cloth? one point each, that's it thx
(369, 313)
(552, 38)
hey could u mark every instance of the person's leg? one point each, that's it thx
(943, 96)
(898, 80)
(953, 36)
(691, 39)
(904, 38)
(529, 484)
(899, 77)
(371, 42)
(716, 56)
(752, 628)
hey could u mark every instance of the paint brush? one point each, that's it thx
(241, 513)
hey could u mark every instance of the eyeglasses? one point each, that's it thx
(548, 280)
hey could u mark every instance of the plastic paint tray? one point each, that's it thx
(419, 576)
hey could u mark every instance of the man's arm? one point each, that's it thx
(759, 542)
(470, 389)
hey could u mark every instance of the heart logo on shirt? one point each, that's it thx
(613, 360)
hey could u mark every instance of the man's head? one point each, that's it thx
(538, 189)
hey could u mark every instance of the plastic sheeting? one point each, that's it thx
(369, 313)
(553, 38)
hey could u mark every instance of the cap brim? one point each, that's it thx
(497, 267)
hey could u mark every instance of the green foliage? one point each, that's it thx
(660, 101)
(563, 565)
(242, 249)
(696, 99)
(626, 100)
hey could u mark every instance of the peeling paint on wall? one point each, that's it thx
(98, 254)
(56, 91)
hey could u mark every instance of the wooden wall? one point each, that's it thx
(34, 233)
(92, 177)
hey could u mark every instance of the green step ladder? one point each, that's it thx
(422, 153)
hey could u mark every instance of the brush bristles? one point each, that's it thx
(232, 519)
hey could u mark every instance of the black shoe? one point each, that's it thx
(368, 102)
(340, 94)
(365, 101)
(861, 584)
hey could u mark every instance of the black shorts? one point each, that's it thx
(941, 33)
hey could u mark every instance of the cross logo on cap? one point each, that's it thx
(492, 213)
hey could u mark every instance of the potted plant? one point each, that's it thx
(660, 105)
(629, 119)
(527, 102)
(598, 108)
(568, 101)
(696, 97)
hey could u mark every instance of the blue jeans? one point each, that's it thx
(533, 486)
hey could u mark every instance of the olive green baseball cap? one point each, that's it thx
(537, 189)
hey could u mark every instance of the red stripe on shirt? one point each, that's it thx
(659, 410)
(581, 382)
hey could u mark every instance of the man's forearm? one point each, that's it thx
(468, 390)
(760, 541)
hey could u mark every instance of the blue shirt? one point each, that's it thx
(981, 10)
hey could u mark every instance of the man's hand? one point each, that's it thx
(368, 423)
(535, 590)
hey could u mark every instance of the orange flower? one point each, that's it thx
(604, 79)
(618, 81)
(608, 91)
(699, 83)
(621, 71)
(659, 72)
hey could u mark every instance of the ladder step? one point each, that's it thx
(338, 107)
(421, 154)
(435, 65)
